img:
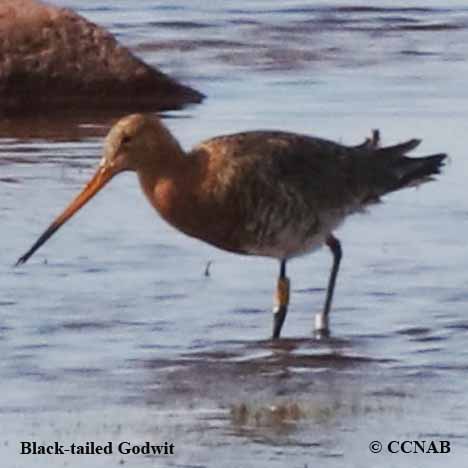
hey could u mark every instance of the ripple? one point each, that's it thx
(430, 27)
(418, 53)
(85, 325)
(34, 347)
(391, 392)
(75, 326)
(414, 331)
(94, 270)
(428, 351)
(10, 180)
(461, 326)
(180, 24)
(248, 311)
(428, 339)
(169, 297)
(85, 371)
(308, 290)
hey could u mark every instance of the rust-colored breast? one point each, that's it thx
(193, 201)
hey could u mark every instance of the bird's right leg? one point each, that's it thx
(282, 300)
(322, 319)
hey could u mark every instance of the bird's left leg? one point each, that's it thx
(282, 300)
(322, 319)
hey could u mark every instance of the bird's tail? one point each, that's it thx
(399, 170)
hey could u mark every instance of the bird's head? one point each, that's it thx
(136, 142)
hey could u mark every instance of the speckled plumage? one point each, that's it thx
(291, 190)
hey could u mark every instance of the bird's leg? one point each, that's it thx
(282, 300)
(322, 319)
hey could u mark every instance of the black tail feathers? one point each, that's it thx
(415, 171)
(399, 150)
(403, 171)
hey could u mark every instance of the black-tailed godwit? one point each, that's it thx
(267, 193)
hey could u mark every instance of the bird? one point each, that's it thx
(265, 193)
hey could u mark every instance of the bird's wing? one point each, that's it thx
(271, 163)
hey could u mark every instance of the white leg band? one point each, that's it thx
(321, 322)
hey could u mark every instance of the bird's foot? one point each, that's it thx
(279, 314)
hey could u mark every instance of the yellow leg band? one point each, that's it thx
(282, 292)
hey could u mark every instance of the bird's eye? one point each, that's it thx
(125, 140)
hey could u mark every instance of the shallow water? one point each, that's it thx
(112, 332)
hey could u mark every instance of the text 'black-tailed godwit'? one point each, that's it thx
(267, 193)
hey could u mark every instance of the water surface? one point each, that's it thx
(112, 332)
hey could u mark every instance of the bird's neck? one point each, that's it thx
(183, 197)
(172, 189)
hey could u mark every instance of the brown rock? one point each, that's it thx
(53, 58)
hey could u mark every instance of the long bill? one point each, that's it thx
(103, 175)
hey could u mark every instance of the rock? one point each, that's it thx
(53, 58)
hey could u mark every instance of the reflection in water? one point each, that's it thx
(263, 384)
